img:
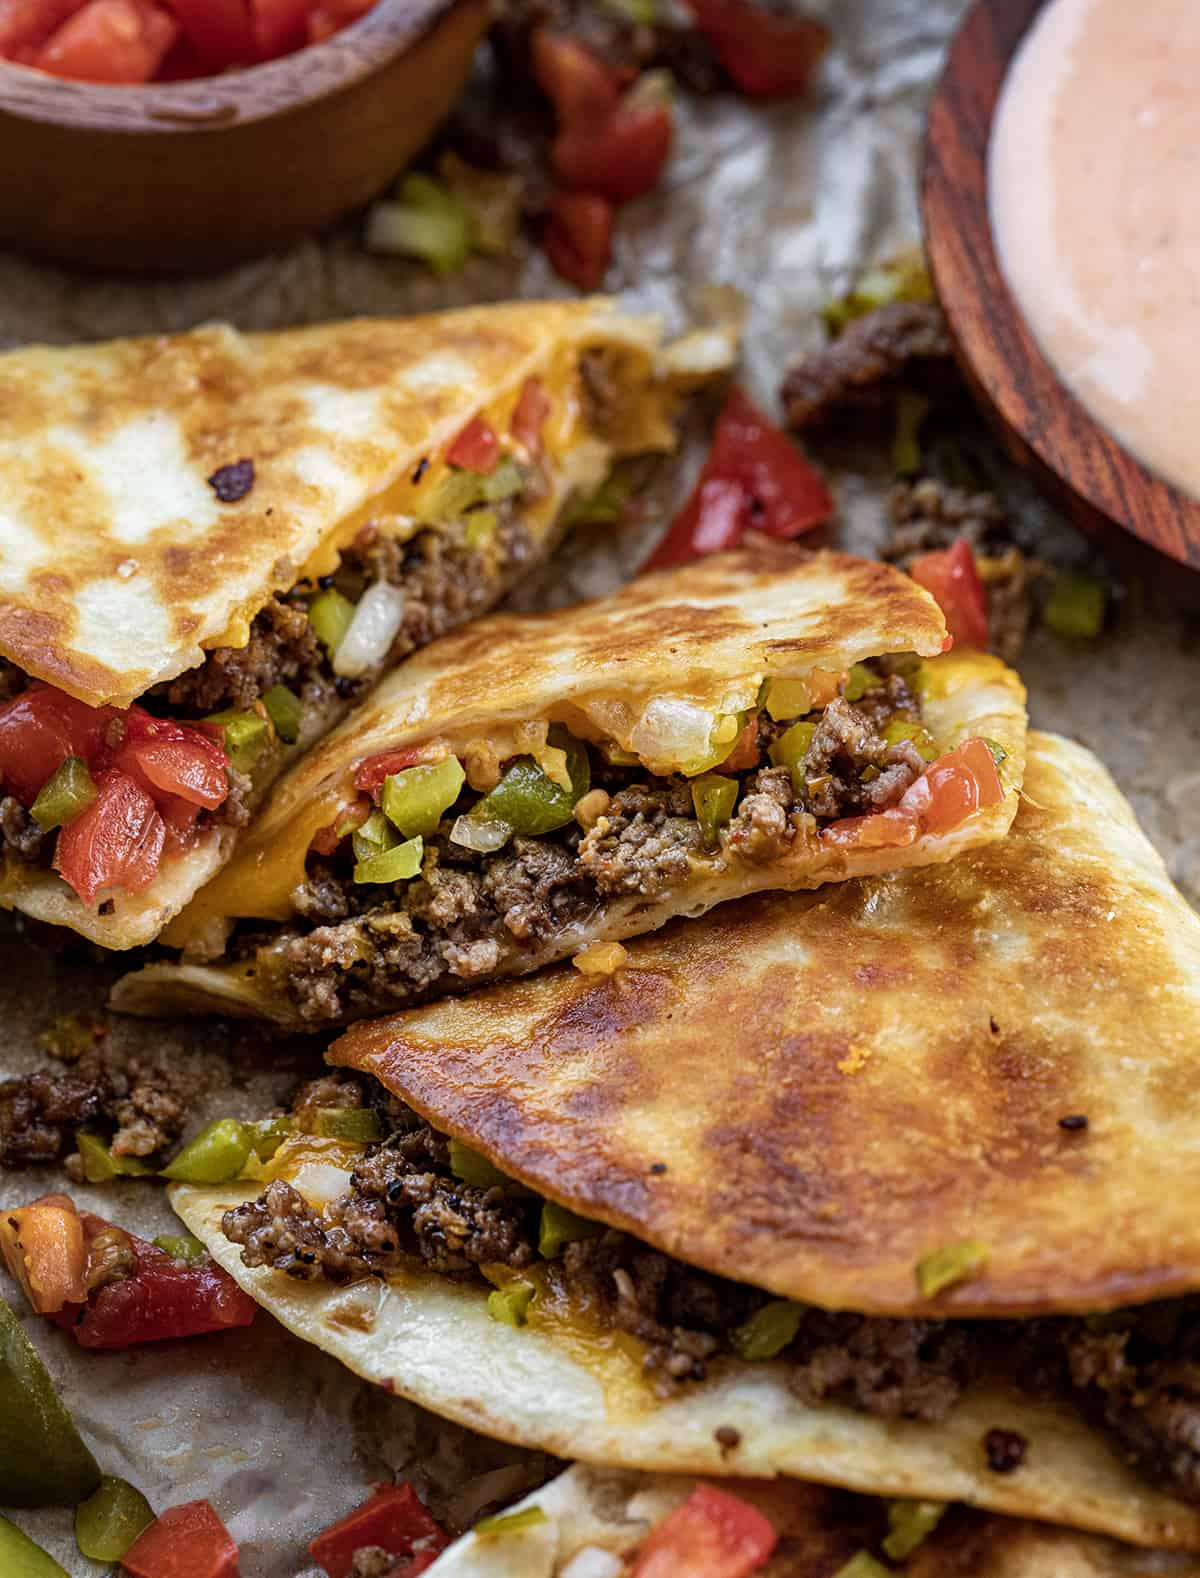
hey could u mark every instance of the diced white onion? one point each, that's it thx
(592, 1562)
(321, 1183)
(375, 625)
(672, 732)
(483, 837)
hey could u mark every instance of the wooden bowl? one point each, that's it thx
(1097, 481)
(185, 177)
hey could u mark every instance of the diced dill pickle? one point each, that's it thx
(481, 528)
(21, 1558)
(859, 681)
(787, 698)
(863, 1565)
(714, 798)
(267, 1135)
(109, 1521)
(473, 1168)
(426, 221)
(510, 1522)
(360, 1125)
(217, 1154)
(910, 1523)
(286, 712)
(414, 800)
(100, 1166)
(999, 754)
(66, 794)
(400, 864)
(43, 1461)
(181, 1246)
(330, 614)
(246, 735)
(912, 408)
(604, 507)
(505, 482)
(768, 1331)
(558, 1226)
(374, 837)
(954, 1263)
(511, 1304)
(790, 749)
(529, 801)
(897, 729)
(906, 278)
(1075, 607)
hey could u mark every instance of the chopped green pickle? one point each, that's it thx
(217, 1154)
(374, 837)
(911, 410)
(21, 1558)
(425, 222)
(510, 1522)
(360, 1125)
(999, 754)
(246, 737)
(180, 1246)
(529, 801)
(607, 505)
(100, 1166)
(505, 482)
(863, 1565)
(267, 1135)
(481, 528)
(1075, 607)
(43, 1461)
(954, 1263)
(910, 1523)
(905, 278)
(286, 712)
(714, 798)
(473, 1168)
(393, 865)
(108, 1522)
(859, 681)
(897, 729)
(510, 1305)
(558, 1226)
(330, 614)
(768, 1331)
(66, 794)
(790, 749)
(415, 799)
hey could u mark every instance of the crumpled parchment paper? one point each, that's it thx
(785, 203)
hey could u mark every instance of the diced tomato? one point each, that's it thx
(45, 1250)
(218, 30)
(279, 25)
(39, 729)
(712, 1535)
(371, 773)
(950, 790)
(116, 843)
(476, 448)
(619, 155)
(327, 839)
(578, 238)
(755, 479)
(189, 1541)
(119, 41)
(745, 753)
(529, 416)
(173, 760)
(952, 579)
(768, 54)
(163, 1299)
(393, 1519)
(27, 24)
(578, 83)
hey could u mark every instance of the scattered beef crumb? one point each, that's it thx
(1005, 1450)
(232, 483)
(727, 1437)
(20, 835)
(903, 344)
(1074, 1122)
(658, 1167)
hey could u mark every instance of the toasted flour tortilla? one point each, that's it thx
(1070, 923)
(595, 1509)
(121, 567)
(709, 636)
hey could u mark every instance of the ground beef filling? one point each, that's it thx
(1138, 1376)
(130, 1105)
(470, 916)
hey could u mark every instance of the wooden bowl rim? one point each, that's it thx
(1112, 481)
(233, 98)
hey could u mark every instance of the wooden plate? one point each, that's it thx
(189, 176)
(1097, 481)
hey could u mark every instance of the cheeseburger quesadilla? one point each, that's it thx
(535, 786)
(890, 1186)
(211, 544)
(612, 1523)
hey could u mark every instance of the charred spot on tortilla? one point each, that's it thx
(1074, 1122)
(1005, 1450)
(233, 482)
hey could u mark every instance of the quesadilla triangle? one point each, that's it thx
(538, 785)
(889, 1186)
(211, 544)
(618, 1523)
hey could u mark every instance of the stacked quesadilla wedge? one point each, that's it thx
(889, 1186)
(211, 543)
(536, 786)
